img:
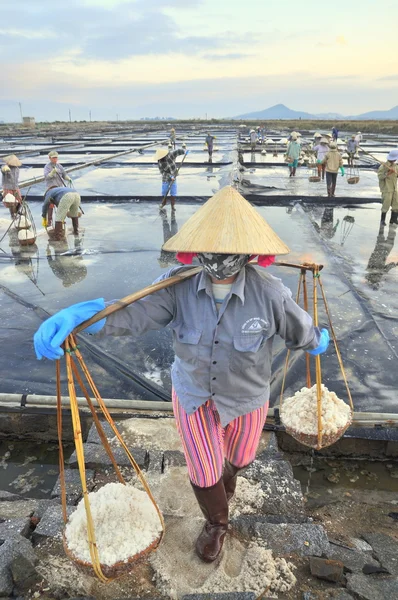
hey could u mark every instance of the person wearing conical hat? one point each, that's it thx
(173, 137)
(224, 320)
(54, 173)
(333, 162)
(10, 181)
(293, 154)
(209, 141)
(166, 160)
(253, 140)
(321, 149)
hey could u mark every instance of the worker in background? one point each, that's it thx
(351, 149)
(388, 175)
(210, 144)
(10, 181)
(333, 162)
(224, 320)
(358, 138)
(253, 140)
(166, 160)
(335, 133)
(67, 202)
(321, 149)
(293, 154)
(173, 137)
(54, 173)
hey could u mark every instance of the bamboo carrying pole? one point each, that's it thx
(146, 291)
(71, 350)
(318, 372)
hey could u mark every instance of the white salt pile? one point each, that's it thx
(299, 412)
(25, 235)
(9, 199)
(125, 523)
(23, 223)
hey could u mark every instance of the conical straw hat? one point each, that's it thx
(12, 161)
(227, 224)
(161, 153)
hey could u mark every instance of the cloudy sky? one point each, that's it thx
(189, 58)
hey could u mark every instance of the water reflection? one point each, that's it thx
(346, 228)
(377, 266)
(66, 263)
(168, 259)
(26, 258)
(327, 228)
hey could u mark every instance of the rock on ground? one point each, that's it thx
(373, 588)
(304, 539)
(386, 549)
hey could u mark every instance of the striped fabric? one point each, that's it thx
(206, 444)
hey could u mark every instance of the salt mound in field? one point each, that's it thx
(125, 523)
(299, 412)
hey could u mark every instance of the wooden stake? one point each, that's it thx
(307, 356)
(318, 372)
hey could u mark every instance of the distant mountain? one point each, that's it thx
(378, 114)
(280, 111)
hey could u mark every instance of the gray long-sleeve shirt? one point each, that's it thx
(10, 178)
(56, 179)
(223, 355)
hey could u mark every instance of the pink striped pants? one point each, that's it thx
(207, 444)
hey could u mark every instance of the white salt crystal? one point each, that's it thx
(125, 523)
(299, 412)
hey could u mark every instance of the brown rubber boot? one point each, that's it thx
(332, 190)
(229, 478)
(58, 232)
(383, 218)
(75, 225)
(393, 218)
(214, 505)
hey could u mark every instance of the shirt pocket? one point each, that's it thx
(186, 342)
(246, 351)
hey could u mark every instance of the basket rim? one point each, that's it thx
(120, 567)
(327, 439)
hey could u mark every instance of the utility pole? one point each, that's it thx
(70, 117)
(206, 116)
(90, 115)
(117, 117)
(20, 110)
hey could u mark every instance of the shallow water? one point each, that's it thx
(119, 251)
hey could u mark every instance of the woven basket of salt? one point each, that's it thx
(353, 180)
(299, 414)
(127, 529)
(26, 237)
(9, 201)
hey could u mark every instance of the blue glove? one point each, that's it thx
(187, 152)
(53, 332)
(323, 343)
(318, 162)
(342, 171)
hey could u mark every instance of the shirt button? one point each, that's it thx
(181, 336)
(214, 378)
(213, 394)
(214, 362)
(216, 342)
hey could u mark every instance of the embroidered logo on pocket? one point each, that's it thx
(254, 325)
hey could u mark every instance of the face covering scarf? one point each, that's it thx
(222, 266)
